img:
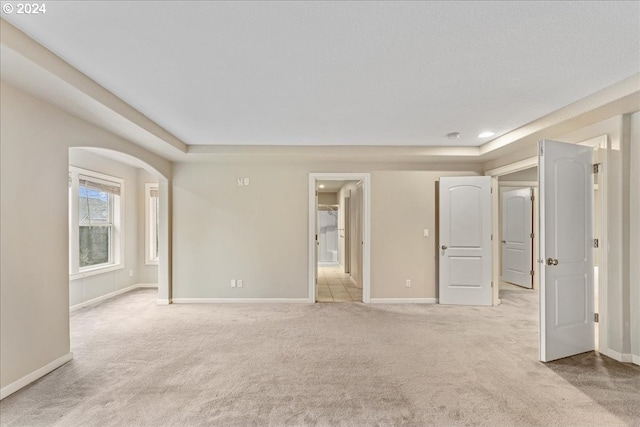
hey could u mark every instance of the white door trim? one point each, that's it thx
(366, 228)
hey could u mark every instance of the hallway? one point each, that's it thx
(336, 286)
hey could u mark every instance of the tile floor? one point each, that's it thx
(335, 286)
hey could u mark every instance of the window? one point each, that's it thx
(95, 226)
(152, 208)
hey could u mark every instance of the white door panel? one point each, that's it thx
(465, 240)
(566, 248)
(516, 237)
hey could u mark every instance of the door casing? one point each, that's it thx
(366, 228)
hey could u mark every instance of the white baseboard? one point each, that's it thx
(111, 295)
(38, 373)
(240, 300)
(635, 359)
(620, 357)
(163, 302)
(404, 300)
(147, 285)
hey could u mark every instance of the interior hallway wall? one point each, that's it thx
(34, 255)
(259, 233)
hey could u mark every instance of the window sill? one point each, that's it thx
(96, 271)
(147, 262)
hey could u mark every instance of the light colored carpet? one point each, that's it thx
(139, 364)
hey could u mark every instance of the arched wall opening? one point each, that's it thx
(134, 267)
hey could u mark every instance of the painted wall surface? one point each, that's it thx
(259, 233)
(146, 273)
(327, 198)
(403, 205)
(34, 290)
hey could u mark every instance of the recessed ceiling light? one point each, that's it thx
(453, 135)
(320, 186)
(486, 134)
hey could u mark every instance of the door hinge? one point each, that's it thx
(492, 237)
(532, 235)
(596, 167)
(492, 284)
(596, 243)
(532, 195)
(596, 317)
(531, 273)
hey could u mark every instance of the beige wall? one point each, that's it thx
(330, 198)
(259, 233)
(403, 205)
(34, 275)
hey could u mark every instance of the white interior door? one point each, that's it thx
(315, 256)
(517, 227)
(347, 234)
(566, 249)
(359, 241)
(465, 240)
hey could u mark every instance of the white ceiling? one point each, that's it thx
(343, 73)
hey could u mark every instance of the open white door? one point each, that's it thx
(465, 240)
(517, 228)
(315, 253)
(566, 250)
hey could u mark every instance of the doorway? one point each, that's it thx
(111, 222)
(339, 230)
(524, 174)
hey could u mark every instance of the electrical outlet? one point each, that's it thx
(240, 182)
(130, 273)
(246, 181)
(426, 232)
(233, 283)
(239, 283)
(407, 283)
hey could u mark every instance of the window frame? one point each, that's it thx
(116, 241)
(151, 223)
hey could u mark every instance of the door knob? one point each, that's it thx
(444, 247)
(551, 261)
